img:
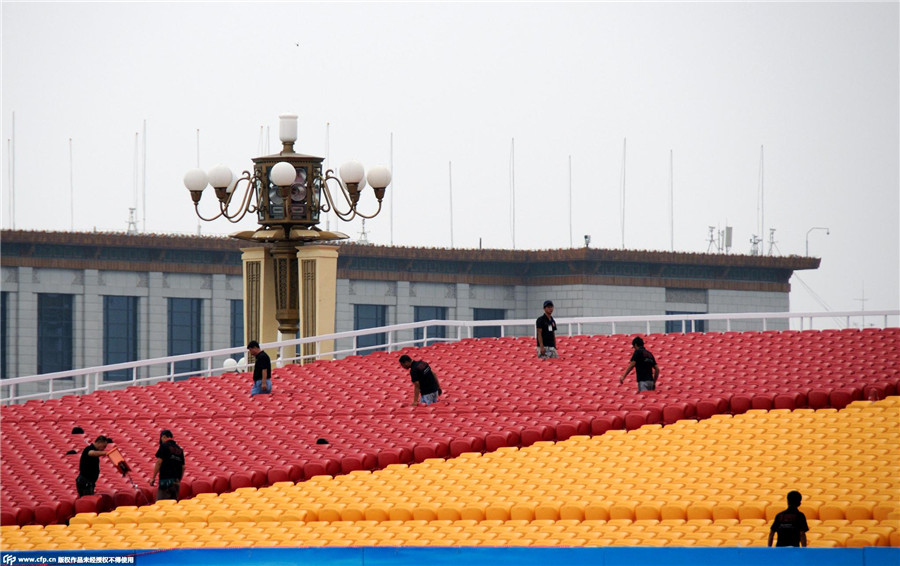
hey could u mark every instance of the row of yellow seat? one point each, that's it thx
(689, 471)
(423, 533)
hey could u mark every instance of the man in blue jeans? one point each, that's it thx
(262, 370)
(425, 382)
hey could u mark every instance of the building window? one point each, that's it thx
(679, 326)
(185, 332)
(430, 313)
(55, 314)
(120, 334)
(4, 309)
(370, 316)
(237, 326)
(488, 314)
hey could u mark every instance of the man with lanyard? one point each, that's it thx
(644, 364)
(262, 370)
(546, 333)
(89, 466)
(425, 382)
(169, 466)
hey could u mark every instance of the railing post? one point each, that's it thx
(648, 328)
(613, 327)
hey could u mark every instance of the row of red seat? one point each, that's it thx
(497, 394)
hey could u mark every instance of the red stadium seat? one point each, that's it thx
(274, 476)
(740, 404)
(311, 469)
(239, 480)
(221, 484)
(603, 423)
(88, 504)
(425, 450)
(818, 399)
(674, 411)
(762, 401)
(351, 464)
(45, 513)
(564, 431)
(786, 401)
(495, 440)
(124, 497)
(201, 486)
(8, 517)
(840, 398)
(636, 419)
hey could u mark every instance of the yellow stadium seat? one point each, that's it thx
(863, 540)
(722, 511)
(673, 510)
(699, 511)
(597, 510)
(833, 510)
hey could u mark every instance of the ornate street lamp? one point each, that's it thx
(287, 192)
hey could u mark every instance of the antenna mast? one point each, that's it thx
(624, 146)
(571, 243)
(450, 180)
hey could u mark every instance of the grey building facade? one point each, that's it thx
(74, 300)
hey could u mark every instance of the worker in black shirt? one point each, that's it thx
(644, 364)
(545, 333)
(425, 382)
(169, 465)
(89, 466)
(790, 524)
(262, 370)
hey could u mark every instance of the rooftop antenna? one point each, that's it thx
(363, 235)
(761, 205)
(671, 204)
(755, 242)
(132, 223)
(571, 243)
(198, 167)
(144, 183)
(512, 188)
(772, 242)
(862, 304)
(450, 180)
(71, 190)
(11, 143)
(624, 146)
(393, 189)
(712, 240)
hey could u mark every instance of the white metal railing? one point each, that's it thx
(144, 372)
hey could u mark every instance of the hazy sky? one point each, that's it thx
(816, 84)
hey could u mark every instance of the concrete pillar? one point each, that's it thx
(318, 293)
(260, 323)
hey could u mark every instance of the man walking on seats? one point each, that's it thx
(790, 524)
(262, 370)
(545, 333)
(644, 364)
(425, 382)
(169, 466)
(89, 466)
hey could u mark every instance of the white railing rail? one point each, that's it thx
(144, 372)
